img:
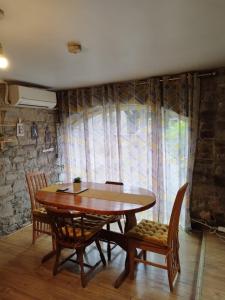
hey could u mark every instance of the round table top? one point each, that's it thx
(108, 199)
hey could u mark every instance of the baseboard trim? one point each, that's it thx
(198, 291)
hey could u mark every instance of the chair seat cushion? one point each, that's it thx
(40, 210)
(40, 215)
(106, 218)
(150, 231)
(90, 228)
(69, 231)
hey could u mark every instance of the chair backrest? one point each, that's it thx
(35, 182)
(175, 215)
(114, 182)
(68, 227)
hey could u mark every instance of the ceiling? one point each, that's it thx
(121, 39)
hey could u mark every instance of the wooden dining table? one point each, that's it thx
(105, 199)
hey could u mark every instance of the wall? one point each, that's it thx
(208, 197)
(21, 156)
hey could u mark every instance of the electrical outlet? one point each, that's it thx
(221, 229)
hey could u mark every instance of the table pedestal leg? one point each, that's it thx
(131, 221)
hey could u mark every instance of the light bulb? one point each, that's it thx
(3, 62)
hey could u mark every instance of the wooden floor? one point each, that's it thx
(23, 277)
(213, 281)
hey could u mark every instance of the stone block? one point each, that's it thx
(207, 134)
(5, 163)
(5, 190)
(204, 172)
(205, 150)
(219, 150)
(43, 160)
(220, 124)
(205, 215)
(11, 176)
(20, 152)
(219, 174)
(2, 179)
(31, 164)
(220, 218)
(208, 115)
(220, 133)
(32, 153)
(6, 209)
(18, 186)
(221, 107)
(22, 140)
(19, 166)
(19, 159)
(21, 194)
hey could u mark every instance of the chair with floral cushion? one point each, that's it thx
(158, 238)
(72, 230)
(35, 182)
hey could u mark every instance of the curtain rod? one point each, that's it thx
(178, 78)
(199, 76)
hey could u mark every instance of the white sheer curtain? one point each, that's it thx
(126, 132)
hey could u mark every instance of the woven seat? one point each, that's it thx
(150, 231)
(70, 232)
(90, 226)
(158, 238)
(106, 218)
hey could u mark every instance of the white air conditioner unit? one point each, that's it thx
(23, 96)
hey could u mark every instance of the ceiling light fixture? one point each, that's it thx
(73, 47)
(3, 60)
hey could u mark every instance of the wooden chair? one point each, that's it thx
(109, 219)
(35, 182)
(114, 219)
(72, 230)
(158, 238)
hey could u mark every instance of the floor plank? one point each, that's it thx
(213, 283)
(22, 276)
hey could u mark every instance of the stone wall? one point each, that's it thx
(208, 197)
(22, 155)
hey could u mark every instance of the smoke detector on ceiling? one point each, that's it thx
(73, 47)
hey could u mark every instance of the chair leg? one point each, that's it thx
(34, 232)
(108, 244)
(80, 258)
(131, 253)
(120, 226)
(144, 254)
(178, 261)
(58, 252)
(100, 252)
(170, 271)
(178, 257)
(53, 242)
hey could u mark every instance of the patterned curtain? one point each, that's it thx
(136, 132)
